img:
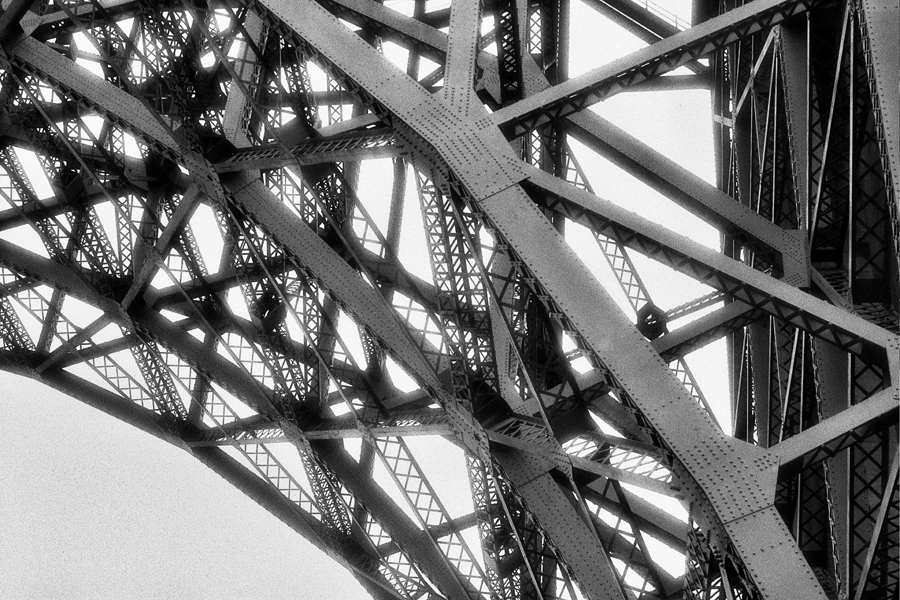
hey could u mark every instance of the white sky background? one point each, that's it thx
(92, 508)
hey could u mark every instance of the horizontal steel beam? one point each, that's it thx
(51, 207)
(623, 476)
(98, 350)
(837, 433)
(650, 518)
(703, 330)
(436, 532)
(330, 429)
(378, 144)
(671, 83)
(753, 288)
(674, 181)
(586, 466)
(580, 92)
(38, 25)
(786, 249)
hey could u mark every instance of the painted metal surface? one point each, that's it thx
(515, 352)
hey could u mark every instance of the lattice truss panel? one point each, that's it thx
(323, 248)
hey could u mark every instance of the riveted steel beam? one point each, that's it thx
(566, 280)
(783, 247)
(229, 375)
(462, 51)
(88, 88)
(822, 484)
(580, 92)
(629, 153)
(288, 512)
(838, 432)
(377, 144)
(401, 528)
(635, 18)
(230, 469)
(358, 297)
(882, 21)
(705, 329)
(884, 507)
(11, 17)
(747, 285)
(269, 434)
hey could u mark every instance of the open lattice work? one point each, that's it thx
(303, 240)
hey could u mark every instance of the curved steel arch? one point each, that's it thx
(214, 105)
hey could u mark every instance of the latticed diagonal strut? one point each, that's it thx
(120, 129)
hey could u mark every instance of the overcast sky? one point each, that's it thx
(92, 508)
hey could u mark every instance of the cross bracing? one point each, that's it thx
(187, 242)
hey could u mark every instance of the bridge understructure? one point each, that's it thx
(299, 361)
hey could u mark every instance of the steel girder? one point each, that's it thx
(143, 115)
